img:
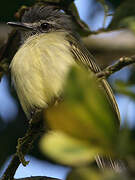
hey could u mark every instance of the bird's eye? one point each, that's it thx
(45, 26)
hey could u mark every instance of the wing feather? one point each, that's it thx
(83, 57)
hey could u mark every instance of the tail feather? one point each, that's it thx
(108, 163)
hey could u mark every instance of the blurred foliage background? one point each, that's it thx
(107, 47)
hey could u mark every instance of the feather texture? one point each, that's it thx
(39, 69)
(41, 64)
(84, 58)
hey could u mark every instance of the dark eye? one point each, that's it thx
(45, 26)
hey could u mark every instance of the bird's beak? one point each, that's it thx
(22, 26)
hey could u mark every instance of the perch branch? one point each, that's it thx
(24, 146)
(38, 178)
(121, 63)
(3, 68)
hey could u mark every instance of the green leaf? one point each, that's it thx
(125, 10)
(126, 89)
(129, 22)
(126, 143)
(85, 112)
(67, 150)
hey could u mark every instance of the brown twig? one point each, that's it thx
(7, 52)
(121, 63)
(34, 130)
(38, 178)
(24, 145)
(4, 66)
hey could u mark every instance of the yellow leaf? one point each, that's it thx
(68, 150)
(85, 112)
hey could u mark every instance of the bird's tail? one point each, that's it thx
(108, 163)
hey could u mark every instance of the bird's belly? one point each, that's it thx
(39, 74)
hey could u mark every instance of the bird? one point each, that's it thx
(50, 46)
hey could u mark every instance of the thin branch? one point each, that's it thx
(4, 67)
(34, 130)
(121, 63)
(24, 145)
(36, 178)
(11, 169)
(6, 46)
(106, 10)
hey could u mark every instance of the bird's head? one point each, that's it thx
(43, 19)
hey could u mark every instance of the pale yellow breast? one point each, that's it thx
(39, 69)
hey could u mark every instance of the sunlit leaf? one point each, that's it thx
(85, 112)
(67, 150)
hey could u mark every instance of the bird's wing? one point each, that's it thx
(83, 57)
